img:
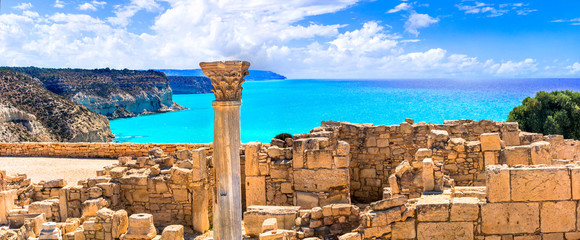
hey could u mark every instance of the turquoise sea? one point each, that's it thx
(296, 106)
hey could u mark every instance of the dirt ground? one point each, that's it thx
(43, 168)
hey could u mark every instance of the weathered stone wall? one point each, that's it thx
(93, 150)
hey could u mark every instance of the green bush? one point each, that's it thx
(556, 112)
(283, 136)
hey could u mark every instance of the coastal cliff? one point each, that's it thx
(29, 112)
(113, 93)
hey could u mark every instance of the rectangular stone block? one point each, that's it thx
(490, 158)
(516, 155)
(432, 208)
(428, 178)
(252, 159)
(558, 217)
(316, 159)
(389, 203)
(320, 180)
(490, 142)
(497, 183)
(255, 190)
(575, 172)
(404, 230)
(386, 217)
(540, 153)
(552, 236)
(540, 184)
(306, 200)
(510, 218)
(255, 216)
(199, 208)
(511, 138)
(445, 230)
(464, 209)
(298, 148)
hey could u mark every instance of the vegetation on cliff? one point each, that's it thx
(556, 112)
(113, 93)
(190, 84)
(29, 112)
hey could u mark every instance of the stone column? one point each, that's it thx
(227, 78)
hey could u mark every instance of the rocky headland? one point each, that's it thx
(112, 93)
(29, 112)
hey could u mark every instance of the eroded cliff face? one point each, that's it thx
(113, 93)
(29, 112)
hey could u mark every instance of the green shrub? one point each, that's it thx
(283, 136)
(556, 112)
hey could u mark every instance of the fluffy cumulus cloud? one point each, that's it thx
(401, 7)
(90, 6)
(270, 34)
(58, 4)
(23, 6)
(574, 68)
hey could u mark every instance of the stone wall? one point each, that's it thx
(93, 150)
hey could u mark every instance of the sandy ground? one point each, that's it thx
(43, 168)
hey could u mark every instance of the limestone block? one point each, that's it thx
(389, 203)
(278, 173)
(528, 237)
(92, 225)
(437, 139)
(404, 230)
(423, 153)
(498, 183)
(180, 195)
(120, 223)
(343, 148)
(285, 188)
(394, 184)
(140, 195)
(490, 142)
(368, 173)
(511, 138)
(575, 171)
(172, 232)
(200, 202)
(341, 162)
(6, 203)
(464, 209)
(91, 206)
(118, 172)
(428, 177)
(316, 159)
(140, 227)
(252, 158)
(183, 154)
(516, 155)
(298, 153)
(124, 160)
(510, 218)
(269, 224)
(433, 208)
(572, 235)
(255, 216)
(320, 180)
(490, 158)
(376, 232)
(552, 236)
(341, 209)
(156, 152)
(350, 236)
(541, 153)
(56, 183)
(275, 152)
(306, 199)
(540, 184)
(199, 165)
(278, 234)
(79, 235)
(445, 230)
(255, 190)
(557, 217)
(181, 175)
(42, 207)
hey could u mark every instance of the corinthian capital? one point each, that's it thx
(227, 78)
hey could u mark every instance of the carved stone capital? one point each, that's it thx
(227, 78)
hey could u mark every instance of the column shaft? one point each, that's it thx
(226, 157)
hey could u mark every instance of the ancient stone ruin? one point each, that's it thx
(459, 180)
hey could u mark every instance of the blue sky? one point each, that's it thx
(300, 38)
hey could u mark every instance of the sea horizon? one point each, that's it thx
(298, 105)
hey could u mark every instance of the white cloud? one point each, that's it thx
(270, 34)
(123, 14)
(574, 21)
(58, 4)
(401, 7)
(92, 6)
(574, 68)
(23, 6)
(417, 20)
(510, 68)
(492, 11)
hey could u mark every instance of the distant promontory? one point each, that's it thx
(193, 81)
